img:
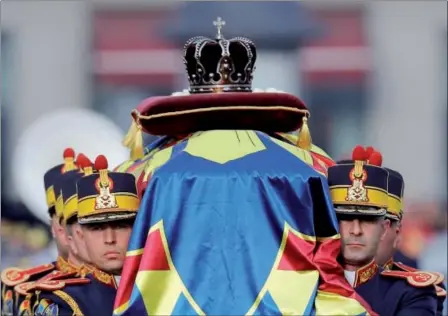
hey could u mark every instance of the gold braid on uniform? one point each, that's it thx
(70, 301)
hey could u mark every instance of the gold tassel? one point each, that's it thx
(137, 151)
(304, 140)
(130, 136)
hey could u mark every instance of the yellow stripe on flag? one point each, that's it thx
(292, 290)
(327, 303)
(160, 291)
(222, 146)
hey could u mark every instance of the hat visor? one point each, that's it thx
(393, 217)
(106, 217)
(362, 212)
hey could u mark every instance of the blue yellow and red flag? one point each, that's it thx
(234, 223)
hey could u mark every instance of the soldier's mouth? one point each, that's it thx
(111, 254)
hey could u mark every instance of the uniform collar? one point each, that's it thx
(61, 264)
(66, 266)
(389, 264)
(362, 274)
(71, 267)
(103, 277)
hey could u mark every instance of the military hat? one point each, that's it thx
(395, 191)
(52, 175)
(106, 196)
(359, 187)
(68, 187)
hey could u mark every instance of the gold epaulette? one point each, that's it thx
(54, 281)
(55, 285)
(404, 267)
(13, 276)
(27, 287)
(414, 278)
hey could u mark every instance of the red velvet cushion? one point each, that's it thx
(196, 112)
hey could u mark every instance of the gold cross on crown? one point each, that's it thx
(219, 23)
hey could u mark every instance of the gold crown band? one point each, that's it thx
(51, 198)
(59, 206)
(125, 202)
(394, 205)
(70, 207)
(377, 197)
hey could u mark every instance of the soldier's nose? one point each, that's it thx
(109, 236)
(355, 227)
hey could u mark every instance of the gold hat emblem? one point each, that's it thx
(104, 184)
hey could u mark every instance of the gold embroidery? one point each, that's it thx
(365, 273)
(61, 264)
(103, 276)
(84, 270)
(389, 264)
(70, 301)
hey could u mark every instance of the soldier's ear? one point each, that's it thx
(397, 241)
(385, 226)
(53, 229)
(72, 245)
(79, 233)
(398, 228)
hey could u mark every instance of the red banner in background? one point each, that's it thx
(128, 48)
(342, 52)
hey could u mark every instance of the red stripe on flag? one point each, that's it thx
(297, 255)
(327, 161)
(317, 165)
(154, 256)
(130, 269)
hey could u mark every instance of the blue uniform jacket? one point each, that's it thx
(397, 293)
(94, 297)
(439, 286)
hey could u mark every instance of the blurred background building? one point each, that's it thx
(372, 73)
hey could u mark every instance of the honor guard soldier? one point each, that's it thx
(65, 192)
(77, 254)
(389, 244)
(12, 277)
(107, 206)
(358, 189)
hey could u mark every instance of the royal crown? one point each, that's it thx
(219, 65)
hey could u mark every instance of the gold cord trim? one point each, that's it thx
(70, 301)
(224, 108)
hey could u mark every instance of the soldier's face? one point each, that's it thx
(77, 244)
(58, 232)
(389, 244)
(360, 238)
(107, 244)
